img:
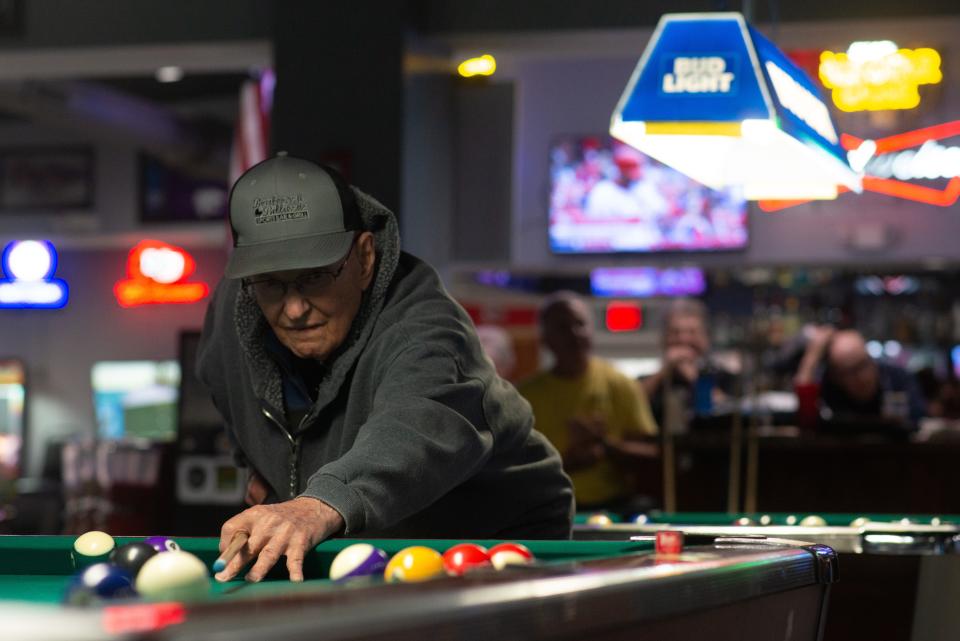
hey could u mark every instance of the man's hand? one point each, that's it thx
(584, 442)
(257, 490)
(818, 337)
(291, 528)
(683, 360)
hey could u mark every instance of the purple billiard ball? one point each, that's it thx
(162, 543)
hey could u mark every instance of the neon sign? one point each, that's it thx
(484, 65)
(887, 163)
(872, 76)
(29, 266)
(157, 274)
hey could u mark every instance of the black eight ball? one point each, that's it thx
(132, 556)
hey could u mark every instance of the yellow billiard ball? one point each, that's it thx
(412, 564)
(813, 521)
(599, 519)
(859, 522)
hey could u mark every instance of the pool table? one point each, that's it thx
(757, 589)
(901, 573)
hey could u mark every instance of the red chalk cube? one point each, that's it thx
(669, 542)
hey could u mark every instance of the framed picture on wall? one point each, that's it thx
(52, 178)
(171, 193)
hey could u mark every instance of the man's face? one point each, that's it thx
(314, 322)
(687, 331)
(567, 331)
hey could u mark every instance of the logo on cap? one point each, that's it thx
(275, 209)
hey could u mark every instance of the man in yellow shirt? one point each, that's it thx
(595, 416)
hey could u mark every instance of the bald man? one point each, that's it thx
(594, 415)
(854, 385)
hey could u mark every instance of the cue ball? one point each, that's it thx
(162, 543)
(413, 564)
(599, 519)
(859, 522)
(94, 543)
(766, 519)
(813, 521)
(98, 582)
(505, 554)
(173, 576)
(465, 557)
(132, 556)
(359, 559)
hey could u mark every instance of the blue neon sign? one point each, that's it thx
(28, 282)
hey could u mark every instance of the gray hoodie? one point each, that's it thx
(412, 433)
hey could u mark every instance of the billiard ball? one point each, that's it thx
(766, 519)
(859, 522)
(414, 564)
(173, 576)
(813, 521)
(359, 559)
(132, 556)
(935, 521)
(100, 581)
(791, 520)
(599, 519)
(162, 543)
(464, 557)
(91, 548)
(504, 554)
(641, 519)
(743, 521)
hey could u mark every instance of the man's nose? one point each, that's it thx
(295, 305)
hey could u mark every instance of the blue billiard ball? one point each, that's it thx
(162, 543)
(101, 581)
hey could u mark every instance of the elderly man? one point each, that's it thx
(853, 386)
(593, 414)
(355, 389)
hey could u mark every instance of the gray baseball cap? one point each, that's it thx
(289, 213)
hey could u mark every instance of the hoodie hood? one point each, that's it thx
(251, 325)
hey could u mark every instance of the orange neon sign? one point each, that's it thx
(157, 274)
(888, 164)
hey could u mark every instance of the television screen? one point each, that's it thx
(136, 399)
(607, 197)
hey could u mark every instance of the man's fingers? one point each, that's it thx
(236, 564)
(267, 558)
(295, 565)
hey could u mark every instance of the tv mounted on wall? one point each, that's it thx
(606, 197)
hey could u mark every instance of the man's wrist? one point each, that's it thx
(332, 519)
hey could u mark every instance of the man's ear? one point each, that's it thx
(367, 254)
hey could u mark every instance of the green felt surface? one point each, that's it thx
(781, 518)
(39, 568)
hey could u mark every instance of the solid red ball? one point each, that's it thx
(465, 557)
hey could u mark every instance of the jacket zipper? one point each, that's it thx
(293, 472)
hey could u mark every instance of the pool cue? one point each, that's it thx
(236, 543)
(750, 500)
(736, 448)
(671, 416)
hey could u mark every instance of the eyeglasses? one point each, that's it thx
(310, 285)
